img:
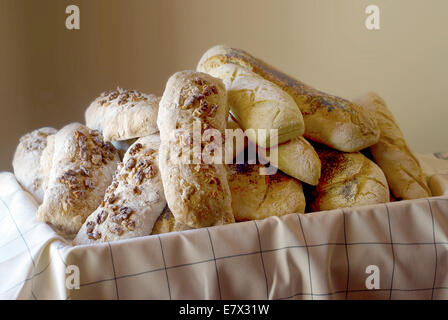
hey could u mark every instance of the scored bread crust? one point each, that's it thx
(197, 193)
(298, 159)
(256, 196)
(134, 200)
(348, 180)
(331, 120)
(79, 166)
(403, 171)
(26, 161)
(123, 114)
(260, 104)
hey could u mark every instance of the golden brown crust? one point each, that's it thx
(197, 192)
(329, 119)
(403, 171)
(348, 180)
(256, 196)
(298, 159)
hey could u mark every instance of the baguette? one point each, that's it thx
(330, 120)
(348, 180)
(260, 104)
(392, 154)
(197, 193)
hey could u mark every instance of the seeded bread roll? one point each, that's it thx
(133, 201)
(256, 196)
(79, 169)
(123, 114)
(348, 180)
(196, 190)
(167, 223)
(298, 159)
(26, 161)
(330, 120)
(392, 154)
(260, 104)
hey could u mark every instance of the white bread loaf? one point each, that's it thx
(392, 154)
(331, 120)
(260, 104)
(298, 159)
(196, 192)
(348, 180)
(79, 171)
(134, 200)
(256, 196)
(123, 114)
(26, 161)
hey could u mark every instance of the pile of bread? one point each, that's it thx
(121, 176)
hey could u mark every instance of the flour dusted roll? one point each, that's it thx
(134, 200)
(196, 190)
(260, 104)
(26, 162)
(298, 159)
(256, 196)
(123, 114)
(235, 141)
(392, 154)
(330, 120)
(80, 167)
(348, 180)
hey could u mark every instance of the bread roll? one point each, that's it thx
(123, 114)
(133, 201)
(348, 180)
(298, 159)
(260, 104)
(256, 196)
(26, 161)
(392, 154)
(330, 120)
(196, 190)
(79, 171)
(167, 223)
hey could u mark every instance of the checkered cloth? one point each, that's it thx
(322, 255)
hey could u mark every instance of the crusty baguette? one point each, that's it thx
(26, 161)
(330, 120)
(296, 158)
(392, 154)
(133, 201)
(197, 191)
(348, 180)
(80, 170)
(256, 196)
(260, 104)
(123, 114)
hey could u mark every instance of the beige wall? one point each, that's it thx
(48, 74)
